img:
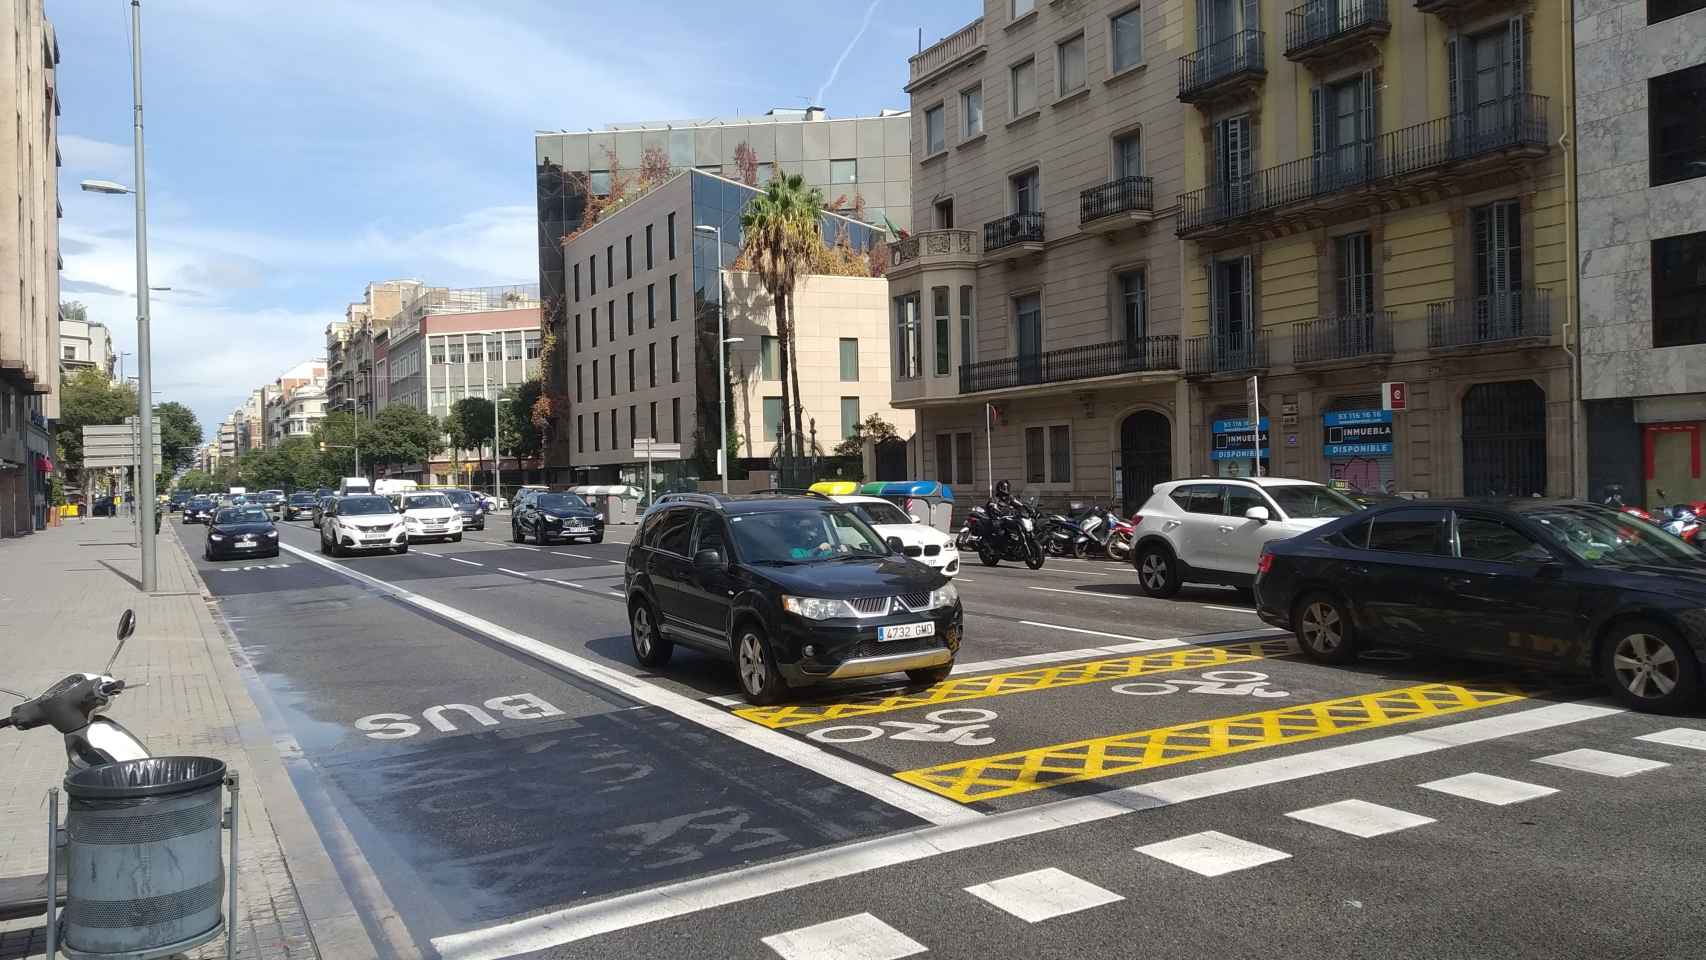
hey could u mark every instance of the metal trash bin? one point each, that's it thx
(146, 872)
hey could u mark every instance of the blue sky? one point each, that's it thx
(294, 156)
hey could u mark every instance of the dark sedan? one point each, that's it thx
(472, 508)
(556, 516)
(199, 510)
(299, 504)
(241, 532)
(1553, 584)
(320, 506)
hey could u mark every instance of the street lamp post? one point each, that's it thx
(723, 341)
(144, 365)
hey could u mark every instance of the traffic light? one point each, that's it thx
(322, 446)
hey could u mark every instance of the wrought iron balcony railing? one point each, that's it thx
(1347, 337)
(1318, 23)
(1220, 61)
(1011, 229)
(1434, 145)
(1125, 195)
(1072, 363)
(1498, 318)
(1216, 353)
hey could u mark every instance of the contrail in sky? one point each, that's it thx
(835, 70)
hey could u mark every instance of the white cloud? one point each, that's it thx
(491, 245)
(113, 161)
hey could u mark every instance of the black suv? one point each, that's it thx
(794, 589)
(555, 516)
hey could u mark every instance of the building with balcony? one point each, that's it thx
(278, 396)
(85, 345)
(1374, 193)
(1035, 310)
(355, 346)
(1640, 71)
(644, 288)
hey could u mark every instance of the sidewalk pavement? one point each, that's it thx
(61, 593)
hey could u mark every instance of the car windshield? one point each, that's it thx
(1608, 538)
(201, 502)
(1308, 501)
(426, 501)
(301, 498)
(559, 501)
(805, 536)
(460, 497)
(241, 515)
(359, 506)
(879, 514)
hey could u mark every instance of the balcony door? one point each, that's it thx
(1486, 86)
(1353, 256)
(1218, 22)
(1232, 334)
(1343, 128)
(1232, 166)
(1134, 320)
(1028, 320)
(1497, 238)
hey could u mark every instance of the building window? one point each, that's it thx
(512, 348)
(580, 433)
(592, 273)
(610, 320)
(577, 283)
(966, 324)
(1496, 239)
(1069, 66)
(594, 329)
(945, 458)
(843, 171)
(1133, 306)
(1679, 290)
(1022, 7)
(633, 423)
(772, 417)
(675, 419)
(579, 392)
(1026, 192)
(436, 354)
(456, 351)
(674, 311)
(71, 354)
(1354, 254)
(610, 264)
(849, 359)
(763, 173)
(1659, 11)
(1048, 454)
(477, 353)
(1128, 156)
(630, 369)
(1125, 30)
(945, 213)
(613, 374)
(1231, 159)
(1028, 327)
(940, 315)
(674, 359)
(908, 359)
(652, 413)
(935, 130)
(669, 239)
(971, 111)
(614, 443)
(599, 183)
(1022, 87)
(628, 257)
(849, 417)
(630, 313)
(652, 364)
(769, 358)
(963, 458)
(595, 378)
(596, 433)
(648, 246)
(651, 305)
(1676, 102)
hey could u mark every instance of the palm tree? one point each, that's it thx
(781, 238)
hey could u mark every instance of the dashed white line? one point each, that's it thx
(617, 562)
(1210, 606)
(578, 556)
(1601, 762)
(1212, 853)
(1092, 593)
(517, 573)
(1674, 737)
(421, 552)
(468, 562)
(565, 583)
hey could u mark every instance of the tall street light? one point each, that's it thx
(723, 341)
(144, 361)
(497, 451)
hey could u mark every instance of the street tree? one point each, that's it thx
(469, 424)
(180, 434)
(400, 435)
(334, 440)
(195, 481)
(521, 436)
(873, 427)
(781, 239)
(89, 398)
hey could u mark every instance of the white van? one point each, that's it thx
(353, 485)
(391, 488)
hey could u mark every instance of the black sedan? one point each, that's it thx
(472, 508)
(320, 506)
(556, 516)
(199, 510)
(299, 505)
(1540, 583)
(241, 532)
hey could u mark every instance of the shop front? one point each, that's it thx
(1357, 446)
(1235, 447)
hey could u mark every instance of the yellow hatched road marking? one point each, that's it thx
(1007, 774)
(955, 689)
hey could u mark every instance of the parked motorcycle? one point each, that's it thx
(1062, 535)
(1010, 534)
(1682, 521)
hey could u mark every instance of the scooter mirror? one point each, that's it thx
(126, 624)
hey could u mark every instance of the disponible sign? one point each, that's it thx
(1357, 433)
(1237, 440)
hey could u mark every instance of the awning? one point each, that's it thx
(44, 464)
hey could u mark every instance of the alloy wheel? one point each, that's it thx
(1154, 572)
(1321, 628)
(1646, 666)
(643, 630)
(752, 669)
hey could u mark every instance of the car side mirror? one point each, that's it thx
(916, 518)
(895, 544)
(1258, 514)
(708, 560)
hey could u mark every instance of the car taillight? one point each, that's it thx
(1136, 519)
(1265, 564)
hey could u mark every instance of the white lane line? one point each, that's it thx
(1091, 593)
(1136, 645)
(421, 552)
(617, 562)
(859, 937)
(468, 562)
(920, 803)
(507, 570)
(560, 553)
(1687, 737)
(1212, 853)
(1043, 894)
(573, 924)
(1359, 818)
(1205, 606)
(1089, 633)
(726, 701)
(1486, 788)
(566, 583)
(1601, 762)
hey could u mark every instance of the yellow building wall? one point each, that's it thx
(1285, 283)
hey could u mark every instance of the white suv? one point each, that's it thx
(1211, 530)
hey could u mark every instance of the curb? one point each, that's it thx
(334, 922)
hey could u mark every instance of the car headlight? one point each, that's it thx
(411, 519)
(944, 596)
(598, 516)
(816, 608)
(273, 534)
(215, 537)
(550, 519)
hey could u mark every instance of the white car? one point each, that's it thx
(430, 516)
(364, 521)
(1211, 530)
(923, 542)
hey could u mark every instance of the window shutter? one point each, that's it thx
(1205, 23)
(1317, 128)
(1252, 15)
(1369, 130)
(1514, 58)
(1453, 97)
(1249, 302)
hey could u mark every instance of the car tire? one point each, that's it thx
(1157, 572)
(929, 676)
(756, 669)
(539, 535)
(454, 538)
(515, 533)
(1324, 630)
(651, 648)
(597, 539)
(1649, 667)
(400, 548)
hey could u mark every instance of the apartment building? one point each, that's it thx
(861, 163)
(355, 345)
(1036, 310)
(29, 264)
(278, 397)
(446, 344)
(84, 345)
(1640, 81)
(304, 410)
(643, 290)
(1375, 194)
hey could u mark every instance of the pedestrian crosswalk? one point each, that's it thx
(1041, 895)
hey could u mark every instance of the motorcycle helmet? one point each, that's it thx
(1003, 490)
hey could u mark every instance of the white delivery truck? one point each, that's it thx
(353, 485)
(390, 488)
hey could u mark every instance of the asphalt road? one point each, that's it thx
(1105, 774)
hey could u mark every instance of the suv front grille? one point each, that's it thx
(871, 648)
(935, 549)
(871, 606)
(916, 601)
(912, 551)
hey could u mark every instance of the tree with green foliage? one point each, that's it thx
(781, 238)
(338, 433)
(73, 310)
(195, 481)
(89, 398)
(401, 435)
(873, 427)
(469, 424)
(521, 437)
(180, 434)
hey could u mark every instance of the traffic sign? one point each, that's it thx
(116, 445)
(1395, 395)
(645, 448)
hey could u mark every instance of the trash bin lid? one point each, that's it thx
(149, 777)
